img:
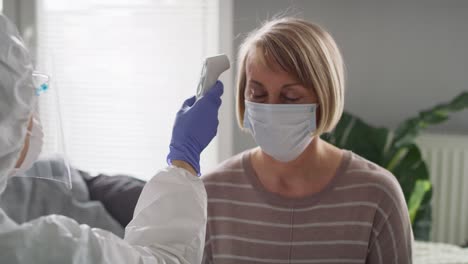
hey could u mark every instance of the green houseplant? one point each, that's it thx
(397, 152)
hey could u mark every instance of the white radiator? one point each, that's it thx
(447, 160)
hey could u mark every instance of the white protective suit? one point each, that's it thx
(170, 216)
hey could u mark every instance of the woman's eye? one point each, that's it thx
(255, 94)
(258, 96)
(291, 99)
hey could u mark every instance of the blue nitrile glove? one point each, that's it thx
(195, 126)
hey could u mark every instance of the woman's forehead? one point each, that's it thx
(270, 75)
(266, 72)
(258, 59)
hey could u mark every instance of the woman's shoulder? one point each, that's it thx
(365, 170)
(228, 170)
(366, 176)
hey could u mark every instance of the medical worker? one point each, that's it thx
(170, 217)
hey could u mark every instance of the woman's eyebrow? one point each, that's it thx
(289, 85)
(256, 82)
(284, 86)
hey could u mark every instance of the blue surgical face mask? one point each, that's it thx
(282, 131)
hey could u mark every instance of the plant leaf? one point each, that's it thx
(417, 195)
(411, 127)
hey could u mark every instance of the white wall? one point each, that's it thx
(401, 56)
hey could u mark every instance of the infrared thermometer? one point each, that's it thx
(211, 70)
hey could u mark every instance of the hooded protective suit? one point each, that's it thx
(169, 219)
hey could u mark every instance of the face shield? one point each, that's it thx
(45, 138)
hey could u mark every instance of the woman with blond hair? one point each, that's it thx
(295, 198)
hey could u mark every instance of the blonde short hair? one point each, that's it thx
(308, 53)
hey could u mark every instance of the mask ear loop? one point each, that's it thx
(29, 127)
(25, 148)
(316, 118)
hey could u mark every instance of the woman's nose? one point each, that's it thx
(273, 100)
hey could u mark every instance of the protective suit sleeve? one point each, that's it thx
(168, 227)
